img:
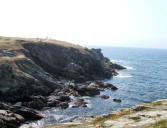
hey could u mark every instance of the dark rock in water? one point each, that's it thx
(62, 98)
(104, 97)
(100, 84)
(88, 91)
(79, 103)
(116, 66)
(117, 100)
(108, 85)
(139, 108)
(53, 103)
(63, 105)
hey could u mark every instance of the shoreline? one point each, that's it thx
(139, 116)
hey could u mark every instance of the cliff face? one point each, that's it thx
(31, 67)
(68, 62)
(35, 73)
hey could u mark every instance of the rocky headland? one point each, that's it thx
(37, 74)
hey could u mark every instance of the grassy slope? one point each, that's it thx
(13, 42)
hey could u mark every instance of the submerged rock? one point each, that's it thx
(117, 100)
(79, 103)
(104, 97)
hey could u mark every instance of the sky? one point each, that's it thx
(125, 23)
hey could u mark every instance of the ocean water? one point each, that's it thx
(144, 81)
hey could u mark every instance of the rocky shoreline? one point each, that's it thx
(153, 115)
(36, 75)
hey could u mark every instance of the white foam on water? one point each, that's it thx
(124, 75)
(128, 67)
(114, 61)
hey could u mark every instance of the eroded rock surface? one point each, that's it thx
(39, 74)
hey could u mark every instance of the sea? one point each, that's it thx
(144, 81)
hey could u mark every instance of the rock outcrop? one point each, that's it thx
(37, 74)
(29, 67)
(13, 116)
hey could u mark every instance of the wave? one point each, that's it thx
(124, 75)
(129, 67)
(122, 62)
(116, 61)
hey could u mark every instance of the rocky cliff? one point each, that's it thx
(34, 73)
(37, 65)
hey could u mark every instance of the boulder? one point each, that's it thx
(63, 105)
(139, 108)
(10, 120)
(104, 97)
(27, 113)
(37, 102)
(88, 91)
(79, 103)
(117, 66)
(117, 100)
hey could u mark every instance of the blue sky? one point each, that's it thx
(126, 23)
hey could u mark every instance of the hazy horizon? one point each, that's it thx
(121, 23)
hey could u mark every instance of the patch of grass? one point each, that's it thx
(101, 120)
(150, 116)
(136, 119)
(159, 124)
(157, 103)
(159, 115)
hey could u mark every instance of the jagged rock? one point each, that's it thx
(4, 106)
(14, 116)
(10, 120)
(37, 102)
(63, 105)
(139, 108)
(104, 97)
(53, 103)
(117, 100)
(116, 66)
(88, 91)
(79, 103)
(108, 85)
(27, 113)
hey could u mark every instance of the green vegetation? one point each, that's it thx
(157, 103)
(14, 43)
(136, 119)
(159, 124)
(159, 115)
(100, 120)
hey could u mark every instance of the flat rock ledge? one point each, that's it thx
(152, 115)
